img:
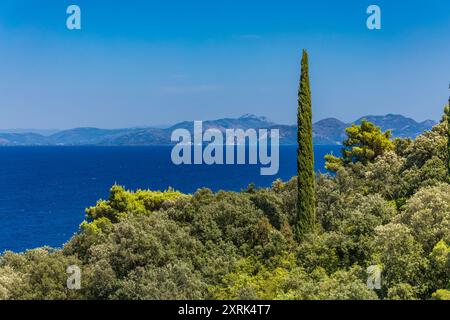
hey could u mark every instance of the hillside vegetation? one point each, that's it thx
(388, 204)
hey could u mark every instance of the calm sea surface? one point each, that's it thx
(44, 190)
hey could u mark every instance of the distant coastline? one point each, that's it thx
(328, 131)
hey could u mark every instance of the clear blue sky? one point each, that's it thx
(157, 62)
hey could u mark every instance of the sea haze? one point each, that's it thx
(325, 132)
(44, 190)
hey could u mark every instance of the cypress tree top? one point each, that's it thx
(448, 100)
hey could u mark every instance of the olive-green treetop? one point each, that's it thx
(364, 143)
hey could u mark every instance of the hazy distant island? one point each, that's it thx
(328, 131)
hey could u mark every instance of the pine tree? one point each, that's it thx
(306, 202)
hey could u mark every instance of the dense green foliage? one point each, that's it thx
(364, 144)
(392, 211)
(306, 209)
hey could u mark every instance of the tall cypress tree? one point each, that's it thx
(306, 202)
(447, 116)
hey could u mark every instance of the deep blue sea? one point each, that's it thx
(44, 190)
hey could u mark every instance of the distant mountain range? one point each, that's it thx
(325, 132)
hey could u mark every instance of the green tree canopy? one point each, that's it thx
(364, 143)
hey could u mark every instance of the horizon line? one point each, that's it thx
(167, 126)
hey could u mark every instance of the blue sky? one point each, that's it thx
(138, 63)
